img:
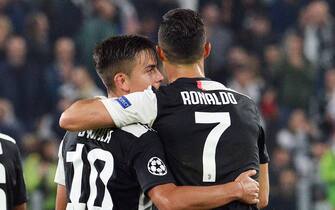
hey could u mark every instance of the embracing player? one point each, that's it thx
(210, 133)
(12, 188)
(114, 168)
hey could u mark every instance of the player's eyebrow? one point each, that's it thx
(151, 66)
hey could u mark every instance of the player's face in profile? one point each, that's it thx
(145, 73)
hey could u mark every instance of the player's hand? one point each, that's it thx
(250, 187)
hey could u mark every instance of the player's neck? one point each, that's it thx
(116, 93)
(176, 71)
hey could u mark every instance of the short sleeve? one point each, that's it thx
(148, 160)
(60, 172)
(263, 152)
(133, 108)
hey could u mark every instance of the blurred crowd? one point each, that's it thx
(279, 52)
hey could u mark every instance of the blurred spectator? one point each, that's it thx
(149, 26)
(65, 17)
(221, 40)
(37, 36)
(237, 13)
(49, 125)
(296, 138)
(21, 82)
(245, 80)
(281, 160)
(290, 8)
(330, 96)
(327, 104)
(16, 11)
(270, 112)
(97, 27)
(8, 122)
(294, 77)
(189, 4)
(39, 172)
(271, 57)
(83, 84)
(59, 72)
(236, 56)
(5, 32)
(286, 197)
(257, 34)
(318, 28)
(128, 15)
(327, 167)
(150, 13)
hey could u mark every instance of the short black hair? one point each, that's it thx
(117, 54)
(182, 36)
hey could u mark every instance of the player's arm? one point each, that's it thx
(264, 187)
(61, 197)
(22, 206)
(85, 114)
(264, 159)
(156, 180)
(19, 191)
(172, 197)
(97, 113)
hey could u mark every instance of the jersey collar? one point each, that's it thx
(190, 80)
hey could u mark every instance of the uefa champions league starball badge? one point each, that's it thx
(157, 167)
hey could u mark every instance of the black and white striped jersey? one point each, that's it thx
(210, 133)
(109, 169)
(12, 187)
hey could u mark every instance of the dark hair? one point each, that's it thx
(182, 36)
(117, 54)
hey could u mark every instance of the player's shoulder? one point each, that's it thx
(137, 130)
(211, 85)
(238, 94)
(70, 136)
(6, 138)
(69, 139)
(8, 144)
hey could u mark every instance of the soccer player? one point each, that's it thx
(109, 168)
(12, 187)
(210, 133)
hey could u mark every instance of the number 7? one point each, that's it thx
(208, 157)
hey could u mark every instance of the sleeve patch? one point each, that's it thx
(157, 167)
(124, 102)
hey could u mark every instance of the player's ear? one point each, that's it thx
(207, 49)
(161, 53)
(121, 82)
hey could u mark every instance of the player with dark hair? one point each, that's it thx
(210, 133)
(110, 168)
(12, 187)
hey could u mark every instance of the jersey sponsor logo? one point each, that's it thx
(124, 102)
(157, 167)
